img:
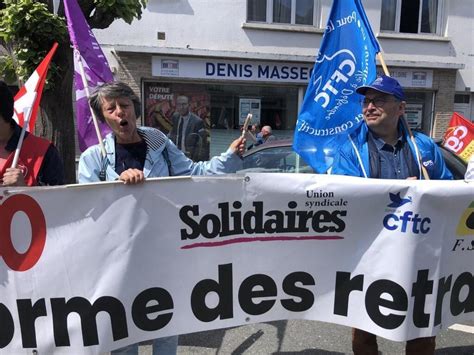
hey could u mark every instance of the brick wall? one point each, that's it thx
(444, 83)
(132, 68)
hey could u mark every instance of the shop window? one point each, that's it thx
(411, 16)
(273, 106)
(416, 112)
(461, 99)
(462, 105)
(221, 108)
(295, 12)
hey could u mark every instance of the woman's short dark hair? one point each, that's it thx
(113, 90)
(6, 102)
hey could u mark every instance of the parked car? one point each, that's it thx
(456, 165)
(275, 157)
(279, 157)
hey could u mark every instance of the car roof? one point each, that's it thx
(276, 143)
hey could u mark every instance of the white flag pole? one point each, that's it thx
(86, 89)
(26, 121)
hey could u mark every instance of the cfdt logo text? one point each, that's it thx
(8, 209)
(404, 221)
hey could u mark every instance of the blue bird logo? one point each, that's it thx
(397, 201)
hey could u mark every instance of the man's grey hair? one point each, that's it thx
(267, 128)
(113, 90)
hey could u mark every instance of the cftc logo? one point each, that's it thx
(26, 204)
(406, 222)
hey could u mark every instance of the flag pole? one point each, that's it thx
(26, 123)
(410, 133)
(86, 89)
(27, 95)
(382, 62)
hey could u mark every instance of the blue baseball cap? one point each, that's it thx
(384, 84)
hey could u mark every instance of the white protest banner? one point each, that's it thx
(85, 269)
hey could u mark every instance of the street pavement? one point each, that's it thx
(304, 337)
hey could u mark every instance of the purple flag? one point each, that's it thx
(96, 68)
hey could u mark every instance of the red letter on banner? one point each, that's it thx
(26, 204)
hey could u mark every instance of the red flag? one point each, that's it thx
(459, 137)
(29, 96)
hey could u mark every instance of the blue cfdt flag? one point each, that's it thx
(331, 108)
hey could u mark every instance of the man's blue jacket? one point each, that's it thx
(348, 162)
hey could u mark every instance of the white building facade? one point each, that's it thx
(231, 57)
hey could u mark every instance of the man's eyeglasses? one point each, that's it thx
(377, 102)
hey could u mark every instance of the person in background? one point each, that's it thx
(188, 132)
(267, 135)
(254, 136)
(135, 153)
(381, 148)
(255, 130)
(39, 162)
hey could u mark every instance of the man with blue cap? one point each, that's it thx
(381, 148)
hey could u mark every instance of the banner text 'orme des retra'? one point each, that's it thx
(85, 269)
